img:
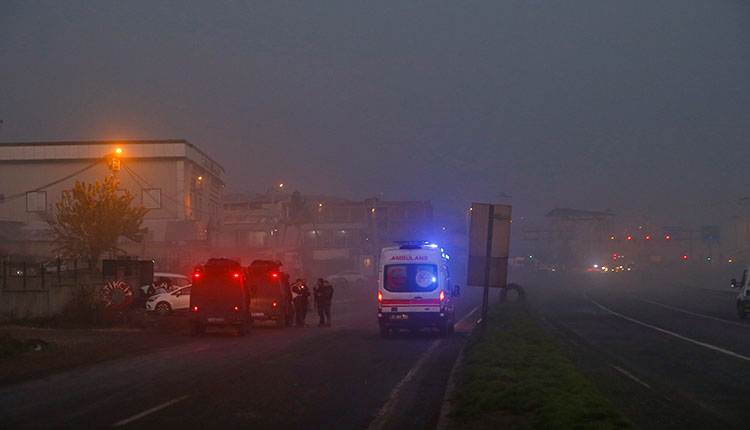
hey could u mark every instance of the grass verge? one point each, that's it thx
(518, 378)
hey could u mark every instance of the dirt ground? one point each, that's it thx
(56, 349)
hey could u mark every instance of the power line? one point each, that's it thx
(135, 175)
(22, 194)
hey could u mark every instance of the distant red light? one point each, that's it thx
(684, 257)
(195, 308)
(274, 304)
(236, 275)
(630, 237)
(274, 275)
(667, 237)
(196, 275)
(648, 237)
(236, 308)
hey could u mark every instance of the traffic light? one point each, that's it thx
(614, 256)
(684, 256)
(115, 165)
(648, 237)
(630, 237)
(667, 237)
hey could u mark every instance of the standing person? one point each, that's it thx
(323, 296)
(300, 301)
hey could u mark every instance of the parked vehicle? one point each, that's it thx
(414, 289)
(166, 303)
(219, 297)
(270, 295)
(169, 282)
(743, 298)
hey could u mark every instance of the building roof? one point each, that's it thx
(19, 151)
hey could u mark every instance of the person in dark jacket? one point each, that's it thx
(323, 292)
(300, 301)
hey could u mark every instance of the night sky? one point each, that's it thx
(642, 107)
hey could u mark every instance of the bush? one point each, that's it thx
(85, 308)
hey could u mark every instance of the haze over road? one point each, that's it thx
(338, 377)
(679, 344)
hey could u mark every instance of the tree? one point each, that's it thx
(91, 217)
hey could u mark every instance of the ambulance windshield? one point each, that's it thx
(408, 278)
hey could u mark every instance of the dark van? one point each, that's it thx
(270, 295)
(219, 297)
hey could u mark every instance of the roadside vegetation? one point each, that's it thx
(518, 378)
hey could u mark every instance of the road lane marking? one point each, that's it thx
(466, 317)
(671, 333)
(629, 375)
(150, 411)
(691, 313)
(380, 419)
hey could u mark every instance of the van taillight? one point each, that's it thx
(195, 308)
(236, 275)
(380, 296)
(196, 275)
(442, 295)
(274, 304)
(236, 308)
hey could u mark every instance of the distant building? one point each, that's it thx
(180, 185)
(319, 235)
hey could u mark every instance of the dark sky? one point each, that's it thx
(640, 106)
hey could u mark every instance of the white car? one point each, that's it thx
(743, 298)
(166, 303)
(165, 282)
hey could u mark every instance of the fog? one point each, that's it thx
(638, 107)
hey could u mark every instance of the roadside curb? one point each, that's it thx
(451, 387)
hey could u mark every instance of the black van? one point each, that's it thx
(219, 297)
(270, 295)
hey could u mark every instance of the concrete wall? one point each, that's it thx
(36, 303)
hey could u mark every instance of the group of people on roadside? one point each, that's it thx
(322, 294)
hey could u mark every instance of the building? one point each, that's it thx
(180, 185)
(318, 235)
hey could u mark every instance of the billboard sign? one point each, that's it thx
(489, 244)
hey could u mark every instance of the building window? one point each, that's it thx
(151, 198)
(36, 201)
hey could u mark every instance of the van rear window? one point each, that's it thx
(410, 278)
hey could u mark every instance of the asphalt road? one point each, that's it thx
(343, 377)
(671, 354)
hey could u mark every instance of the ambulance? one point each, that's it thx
(414, 289)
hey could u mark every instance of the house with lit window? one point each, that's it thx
(180, 185)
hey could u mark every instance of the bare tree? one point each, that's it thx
(91, 217)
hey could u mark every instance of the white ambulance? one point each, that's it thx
(414, 289)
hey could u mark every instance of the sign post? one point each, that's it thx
(489, 243)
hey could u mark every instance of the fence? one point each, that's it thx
(28, 274)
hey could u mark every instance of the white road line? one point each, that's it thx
(150, 411)
(379, 420)
(629, 375)
(671, 333)
(691, 313)
(463, 320)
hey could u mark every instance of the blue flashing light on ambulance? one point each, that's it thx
(414, 289)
